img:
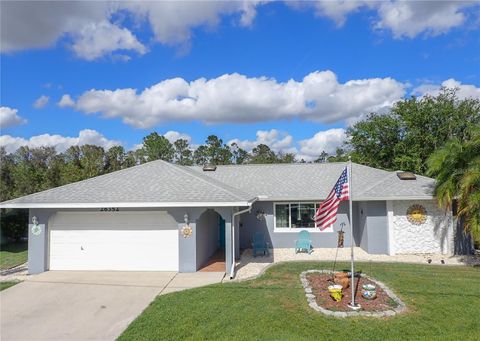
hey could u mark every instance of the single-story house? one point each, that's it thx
(164, 217)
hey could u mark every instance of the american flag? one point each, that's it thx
(327, 212)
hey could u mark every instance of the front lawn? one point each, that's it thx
(443, 303)
(12, 255)
(7, 284)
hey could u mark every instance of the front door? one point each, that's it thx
(221, 232)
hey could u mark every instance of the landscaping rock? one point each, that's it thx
(366, 304)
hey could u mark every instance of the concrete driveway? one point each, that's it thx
(86, 305)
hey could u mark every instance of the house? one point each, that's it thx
(164, 217)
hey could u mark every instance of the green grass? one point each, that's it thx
(7, 284)
(12, 255)
(443, 303)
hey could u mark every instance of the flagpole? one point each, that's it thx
(352, 305)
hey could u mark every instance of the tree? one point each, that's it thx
(7, 181)
(217, 152)
(92, 160)
(240, 155)
(377, 141)
(286, 158)
(183, 154)
(263, 154)
(322, 158)
(157, 147)
(200, 155)
(72, 171)
(405, 137)
(340, 156)
(114, 159)
(456, 167)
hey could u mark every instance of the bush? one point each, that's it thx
(14, 223)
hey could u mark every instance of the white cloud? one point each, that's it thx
(40, 24)
(327, 141)
(41, 101)
(10, 118)
(61, 143)
(90, 24)
(173, 136)
(410, 18)
(402, 18)
(463, 90)
(100, 39)
(66, 101)
(335, 10)
(278, 141)
(238, 98)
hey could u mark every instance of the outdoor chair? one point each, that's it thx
(259, 244)
(303, 243)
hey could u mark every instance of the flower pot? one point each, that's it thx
(341, 278)
(335, 292)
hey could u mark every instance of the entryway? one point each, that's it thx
(211, 242)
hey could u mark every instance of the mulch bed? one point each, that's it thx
(320, 283)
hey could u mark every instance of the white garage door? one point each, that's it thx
(135, 241)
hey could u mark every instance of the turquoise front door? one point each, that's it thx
(221, 233)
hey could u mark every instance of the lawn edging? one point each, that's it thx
(401, 307)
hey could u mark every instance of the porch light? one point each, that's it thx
(261, 214)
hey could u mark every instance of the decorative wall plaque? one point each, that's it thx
(417, 214)
(186, 231)
(36, 229)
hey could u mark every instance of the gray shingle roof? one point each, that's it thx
(313, 181)
(159, 183)
(152, 182)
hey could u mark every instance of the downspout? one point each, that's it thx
(249, 209)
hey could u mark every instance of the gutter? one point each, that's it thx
(249, 209)
(8, 204)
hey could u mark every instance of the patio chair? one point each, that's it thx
(303, 243)
(259, 244)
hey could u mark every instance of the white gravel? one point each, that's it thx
(18, 273)
(250, 267)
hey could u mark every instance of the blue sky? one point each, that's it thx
(287, 74)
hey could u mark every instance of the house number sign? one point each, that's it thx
(109, 209)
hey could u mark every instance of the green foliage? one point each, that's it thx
(405, 137)
(13, 223)
(157, 147)
(263, 154)
(7, 284)
(183, 154)
(456, 167)
(240, 155)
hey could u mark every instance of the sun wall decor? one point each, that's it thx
(417, 214)
(186, 231)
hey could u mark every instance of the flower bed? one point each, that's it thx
(316, 282)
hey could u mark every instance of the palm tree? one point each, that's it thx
(456, 167)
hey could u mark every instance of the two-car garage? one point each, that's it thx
(125, 240)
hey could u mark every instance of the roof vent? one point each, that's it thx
(209, 168)
(406, 176)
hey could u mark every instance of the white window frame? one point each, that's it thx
(290, 229)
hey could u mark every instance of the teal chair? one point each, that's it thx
(259, 244)
(304, 242)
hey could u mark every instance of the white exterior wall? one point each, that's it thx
(434, 236)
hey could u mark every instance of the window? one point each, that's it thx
(293, 216)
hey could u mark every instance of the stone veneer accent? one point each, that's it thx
(433, 236)
(342, 314)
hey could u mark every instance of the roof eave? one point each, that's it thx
(127, 204)
(425, 197)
